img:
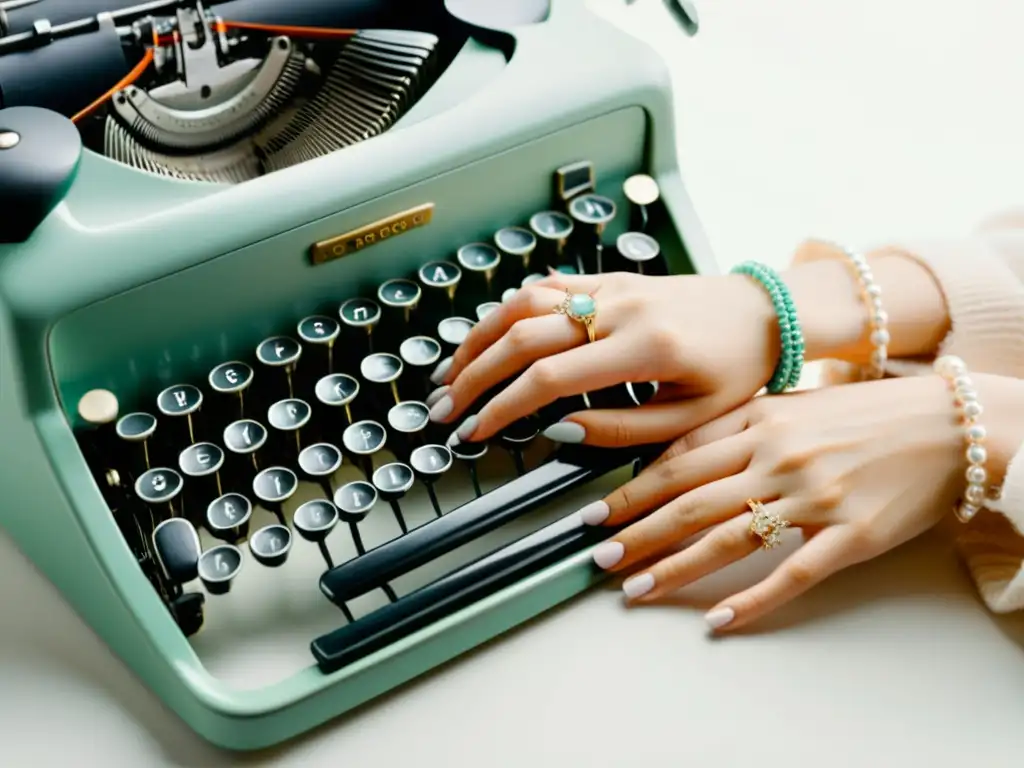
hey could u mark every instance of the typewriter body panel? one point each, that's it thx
(137, 282)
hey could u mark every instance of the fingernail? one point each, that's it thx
(638, 585)
(467, 429)
(594, 513)
(436, 395)
(439, 373)
(608, 554)
(565, 432)
(719, 617)
(552, 270)
(442, 409)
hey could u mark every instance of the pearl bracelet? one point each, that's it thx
(954, 371)
(878, 320)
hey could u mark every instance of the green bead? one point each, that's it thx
(582, 305)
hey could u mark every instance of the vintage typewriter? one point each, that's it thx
(237, 237)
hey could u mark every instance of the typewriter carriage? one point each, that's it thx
(62, 339)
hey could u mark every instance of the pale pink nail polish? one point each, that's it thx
(719, 617)
(608, 554)
(638, 585)
(594, 513)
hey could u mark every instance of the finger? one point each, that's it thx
(660, 484)
(650, 423)
(732, 423)
(831, 550)
(723, 545)
(532, 301)
(573, 372)
(680, 519)
(573, 283)
(526, 342)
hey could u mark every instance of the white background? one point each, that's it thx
(854, 120)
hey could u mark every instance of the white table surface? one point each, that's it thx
(854, 120)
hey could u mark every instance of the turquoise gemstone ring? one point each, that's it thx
(582, 308)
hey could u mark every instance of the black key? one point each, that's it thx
(483, 310)
(273, 487)
(516, 437)
(98, 411)
(421, 354)
(227, 517)
(232, 379)
(218, 567)
(480, 259)
(453, 331)
(553, 229)
(244, 440)
(187, 610)
(160, 488)
(592, 214)
(337, 392)
(638, 249)
(271, 544)
(569, 469)
(287, 418)
(392, 482)
(181, 404)
(430, 462)
(470, 453)
(518, 243)
(408, 420)
(361, 316)
(401, 295)
(320, 333)
(574, 179)
(362, 440)
(281, 353)
(201, 464)
(177, 549)
(383, 370)
(314, 521)
(136, 429)
(642, 192)
(354, 501)
(441, 278)
(319, 462)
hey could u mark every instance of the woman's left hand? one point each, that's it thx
(859, 468)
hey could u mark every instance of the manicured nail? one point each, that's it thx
(436, 395)
(552, 270)
(594, 513)
(565, 432)
(439, 373)
(467, 429)
(719, 617)
(442, 409)
(638, 585)
(608, 554)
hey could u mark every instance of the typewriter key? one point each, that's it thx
(244, 439)
(638, 249)
(421, 354)
(483, 310)
(181, 403)
(480, 259)
(363, 439)
(593, 212)
(270, 545)
(516, 436)
(442, 276)
(98, 410)
(136, 429)
(177, 549)
(361, 315)
(287, 418)
(453, 331)
(202, 463)
(552, 229)
(354, 501)
(430, 462)
(517, 242)
(392, 482)
(314, 521)
(187, 610)
(337, 391)
(574, 179)
(642, 192)
(400, 294)
(218, 567)
(159, 488)
(470, 453)
(232, 379)
(320, 333)
(408, 421)
(384, 370)
(273, 487)
(227, 518)
(284, 353)
(319, 462)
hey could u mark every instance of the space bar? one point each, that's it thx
(569, 469)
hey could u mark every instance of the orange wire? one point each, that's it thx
(274, 29)
(123, 83)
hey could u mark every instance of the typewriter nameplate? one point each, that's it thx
(372, 234)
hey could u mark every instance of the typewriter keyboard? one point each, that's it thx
(303, 484)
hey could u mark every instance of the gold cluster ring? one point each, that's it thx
(765, 525)
(582, 308)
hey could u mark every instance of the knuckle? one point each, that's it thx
(863, 537)
(800, 574)
(544, 376)
(518, 337)
(827, 496)
(622, 433)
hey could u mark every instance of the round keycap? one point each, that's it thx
(228, 512)
(431, 460)
(399, 293)
(201, 459)
(274, 485)
(98, 406)
(337, 389)
(289, 415)
(520, 431)
(355, 499)
(420, 351)
(315, 519)
(381, 368)
(483, 310)
(218, 566)
(270, 545)
(364, 438)
(320, 460)
(478, 257)
(136, 427)
(551, 225)
(179, 400)
(394, 479)
(454, 330)
(244, 436)
(319, 329)
(409, 416)
(641, 189)
(515, 241)
(279, 351)
(638, 247)
(466, 451)
(230, 377)
(158, 485)
(360, 313)
(592, 209)
(440, 274)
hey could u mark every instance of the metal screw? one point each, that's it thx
(9, 139)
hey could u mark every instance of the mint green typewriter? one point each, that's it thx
(236, 238)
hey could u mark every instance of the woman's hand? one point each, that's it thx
(859, 468)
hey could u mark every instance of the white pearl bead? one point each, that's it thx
(965, 395)
(881, 317)
(874, 291)
(880, 338)
(976, 433)
(878, 358)
(876, 303)
(950, 366)
(972, 409)
(963, 381)
(976, 454)
(866, 276)
(975, 494)
(967, 511)
(977, 475)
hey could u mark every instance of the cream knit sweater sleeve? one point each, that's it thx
(982, 277)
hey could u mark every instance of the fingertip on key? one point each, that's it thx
(595, 513)
(609, 553)
(442, 409)
(437, 377)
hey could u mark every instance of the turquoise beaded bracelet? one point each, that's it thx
(791, 362)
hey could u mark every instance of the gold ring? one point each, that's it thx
(765, 525)
(582, 308)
